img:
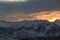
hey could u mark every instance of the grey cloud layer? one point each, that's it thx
(28, 7)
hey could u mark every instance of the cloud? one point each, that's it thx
(32, 6)
(44, 15)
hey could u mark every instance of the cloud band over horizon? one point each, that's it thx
(45, 15)
(10, 11)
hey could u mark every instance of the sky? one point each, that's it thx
(25, 7)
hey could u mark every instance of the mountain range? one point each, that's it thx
(29, 28)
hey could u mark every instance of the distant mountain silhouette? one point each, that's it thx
(30, 28)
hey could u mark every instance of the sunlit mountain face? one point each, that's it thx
(51, 16)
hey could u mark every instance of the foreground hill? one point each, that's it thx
(31, 28)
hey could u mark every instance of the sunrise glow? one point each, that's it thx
(53, 19)
(51, 16)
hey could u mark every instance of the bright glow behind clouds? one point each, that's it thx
(13, 0)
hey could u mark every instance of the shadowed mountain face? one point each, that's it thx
(36, 28)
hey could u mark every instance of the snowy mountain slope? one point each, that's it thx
(31, 28)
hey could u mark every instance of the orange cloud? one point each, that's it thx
(45, 15)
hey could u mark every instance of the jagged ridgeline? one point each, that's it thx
(31, 28)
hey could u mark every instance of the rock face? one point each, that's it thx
(36, 28)
(57, 22)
